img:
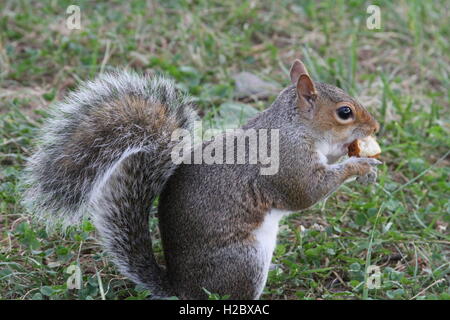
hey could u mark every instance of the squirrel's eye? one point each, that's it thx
(344, 112)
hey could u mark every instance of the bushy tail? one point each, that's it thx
(106, 151)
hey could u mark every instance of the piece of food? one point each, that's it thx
(367, 148)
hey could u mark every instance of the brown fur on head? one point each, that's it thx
(321, 105)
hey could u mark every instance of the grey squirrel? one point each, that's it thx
(106, 152)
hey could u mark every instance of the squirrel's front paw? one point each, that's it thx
(364, 168)
(369, 177)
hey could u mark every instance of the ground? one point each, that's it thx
(400, 73)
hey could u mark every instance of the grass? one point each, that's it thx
(401, 73)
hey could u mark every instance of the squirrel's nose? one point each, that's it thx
(376, 128)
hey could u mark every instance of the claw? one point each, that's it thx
(372, 161)
(376, 162)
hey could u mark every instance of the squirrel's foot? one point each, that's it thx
(369, 177)
(364, 168)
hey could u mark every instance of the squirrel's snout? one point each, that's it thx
(372, 130)
(372, 125)
(376, 127)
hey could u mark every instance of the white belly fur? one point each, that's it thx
(266, 238)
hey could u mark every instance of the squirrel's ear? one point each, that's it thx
(306, 88)
(297, 69)
(306, 93)
(301, 79)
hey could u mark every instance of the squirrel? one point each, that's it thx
(106, 152)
